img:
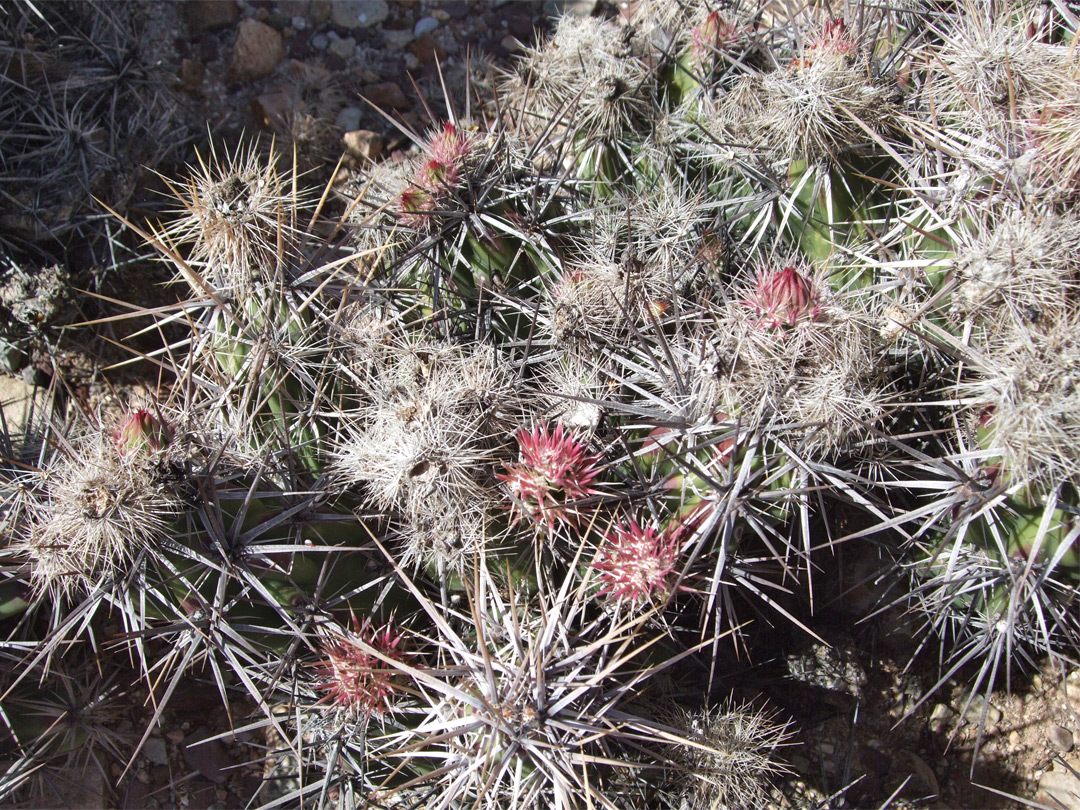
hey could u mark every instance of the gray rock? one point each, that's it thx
(425, 25)
(343, 48)
(349, 119)
(12, 358)
(320, 41)
(23, 405)
(578, 8)
(974, 714)
(923, 782)
(209, 15)
(155, 751)
(359, 13)
(396, 40)
(940, 718)
(1061, 738)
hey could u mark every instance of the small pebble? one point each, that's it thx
(349, 119)
(299, 23)
(940, 717)
(343, 48)
(397, 39)
(425, 25)
(155, 751)
(320, 41)
(1060, 738)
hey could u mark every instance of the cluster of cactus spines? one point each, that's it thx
(102, 504)
(604, 369)
(84, 110)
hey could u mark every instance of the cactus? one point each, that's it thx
(454, 467)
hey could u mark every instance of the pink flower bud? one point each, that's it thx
(784, 298)
(141, 429)
(554, 471)
(357, 680)
(715, 34)
(637, 564)
(834, 40)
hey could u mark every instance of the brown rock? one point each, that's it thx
(208, 757)
(427, 49)
(209, 15)
(386, 95)
(294, 8)
(320, 11)
(272, 109)
(257, 52)
(363, 145)
(192, 74)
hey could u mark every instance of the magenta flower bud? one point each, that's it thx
(446, 153)
(715, 34)
(141, 429)
(356, 680)
(443, 167)
(637, 564)
(784, 298)
(834, 39)
(554, 471)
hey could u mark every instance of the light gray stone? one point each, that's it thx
(343, 48)
(320, 41)
(359, 13)
(397, 39)
(349, 119)
(425, 25)
(974, 714)
(22, 404)
(155, 751)
(1059, 789)
(578, 8)
(1061, 738)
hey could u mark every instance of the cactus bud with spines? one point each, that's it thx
(356, 680)
(141, 430)
(637, 565)
(783, 298)
(553, 471)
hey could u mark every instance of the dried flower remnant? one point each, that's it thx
(554, 471)
(637, 564)
(784, 298)
(356, 679)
